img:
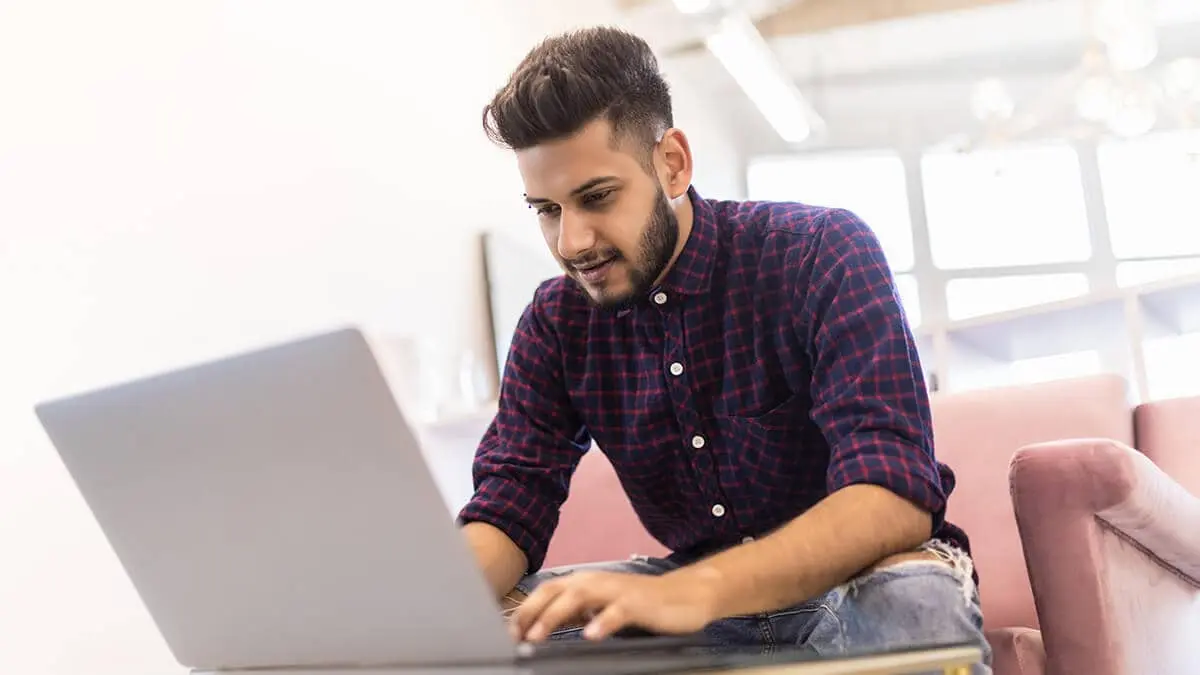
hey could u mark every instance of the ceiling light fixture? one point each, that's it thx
(1116, 88)
(743, 52)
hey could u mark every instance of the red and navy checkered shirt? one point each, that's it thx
(772, 366)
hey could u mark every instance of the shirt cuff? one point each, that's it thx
(482, 510)
(899, 467)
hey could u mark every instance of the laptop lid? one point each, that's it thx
(274, 509)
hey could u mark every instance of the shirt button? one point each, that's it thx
(718, 510)
(660, 298)
(697, 442)
(676, 369)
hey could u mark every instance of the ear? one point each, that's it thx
(675, 155)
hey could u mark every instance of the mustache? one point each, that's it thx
(593, 259)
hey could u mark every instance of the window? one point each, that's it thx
(1152, 194)
(1172, 369)
(872, 185)
(968, 374)
(1018, 206)
(966, 298)
(1055, 367)
(1137, 272)
(906, 286)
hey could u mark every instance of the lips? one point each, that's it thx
(595, 273)
(593, 266)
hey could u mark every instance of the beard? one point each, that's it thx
(654, 251)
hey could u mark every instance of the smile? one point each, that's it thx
(596, 273)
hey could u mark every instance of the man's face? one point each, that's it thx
(606, 220)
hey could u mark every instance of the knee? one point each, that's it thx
(912, 603)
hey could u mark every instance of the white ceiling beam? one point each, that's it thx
(816, 16)
(923, 41)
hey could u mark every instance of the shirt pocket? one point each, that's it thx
(780, 450)
(791, 415)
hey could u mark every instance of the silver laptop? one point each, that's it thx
(273, 510)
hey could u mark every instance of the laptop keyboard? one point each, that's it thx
(642, 644)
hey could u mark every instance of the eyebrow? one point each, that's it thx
(595, 182)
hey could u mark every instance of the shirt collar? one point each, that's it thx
(692, 272)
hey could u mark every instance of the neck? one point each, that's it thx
(684, 213)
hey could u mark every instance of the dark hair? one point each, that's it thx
(570, 80)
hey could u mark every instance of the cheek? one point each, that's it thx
(550, 234)
(626, 235)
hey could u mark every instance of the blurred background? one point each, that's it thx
(183, 179)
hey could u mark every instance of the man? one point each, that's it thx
(747, 368)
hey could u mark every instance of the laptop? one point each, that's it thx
(273, 510)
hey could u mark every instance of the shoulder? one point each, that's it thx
(792, 232)
(557, 306)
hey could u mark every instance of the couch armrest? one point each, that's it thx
(1112, 546)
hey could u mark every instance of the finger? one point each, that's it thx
(611, 619)
(531, 608)
(567, 605)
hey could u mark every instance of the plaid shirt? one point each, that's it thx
(773, 366)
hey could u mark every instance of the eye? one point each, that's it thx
(598, 198)
(547, 209)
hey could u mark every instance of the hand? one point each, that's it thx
(609, 602)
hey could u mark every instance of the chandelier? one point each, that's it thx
(1120, 87)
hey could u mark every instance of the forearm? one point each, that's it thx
(501, 560)
(845, 533)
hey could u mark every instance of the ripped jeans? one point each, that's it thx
(918, 601)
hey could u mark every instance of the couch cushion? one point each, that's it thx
(1168, 432)
(977, 432)
(597, 522)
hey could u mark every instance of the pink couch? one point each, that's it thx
(1097, 532)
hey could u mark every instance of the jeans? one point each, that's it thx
(921, 601)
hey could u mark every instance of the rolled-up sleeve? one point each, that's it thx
(523, 465)
(868, 389)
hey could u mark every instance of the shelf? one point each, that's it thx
(1171, 310)
(1114, 325)
(1062, 330)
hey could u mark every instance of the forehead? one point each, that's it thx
(552, 170)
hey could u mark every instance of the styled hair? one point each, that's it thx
(572, 79)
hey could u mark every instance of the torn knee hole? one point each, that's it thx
(910, 558)
(511, 601)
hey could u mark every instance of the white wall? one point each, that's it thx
(181, 179)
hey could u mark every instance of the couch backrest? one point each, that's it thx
(1168, 432)
(976, 434)
(597, 523)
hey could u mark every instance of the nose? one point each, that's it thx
(575, 235)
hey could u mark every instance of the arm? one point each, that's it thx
(524, 463)
(502, 561)
(869, 399)
(1113, 547)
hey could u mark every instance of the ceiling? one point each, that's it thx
(790, 18)
(892, 72)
